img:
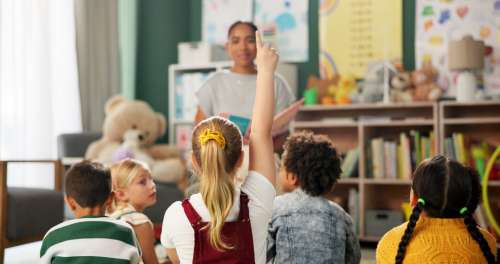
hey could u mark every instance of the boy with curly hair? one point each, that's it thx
(305, 226)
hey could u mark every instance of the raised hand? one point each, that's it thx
(267, 57)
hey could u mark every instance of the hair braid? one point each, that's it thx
(415, 214)
(476, 234)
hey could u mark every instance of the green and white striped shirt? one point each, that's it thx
(90, 239)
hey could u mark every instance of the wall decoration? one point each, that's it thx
(285, 24)
(438, 22)
(218, 15)
(356, 32)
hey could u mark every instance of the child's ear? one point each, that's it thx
(70, 202)
(108, 201)
(119, 194)
(413, 198)
(292, 178)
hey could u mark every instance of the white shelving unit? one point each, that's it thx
(287, 71)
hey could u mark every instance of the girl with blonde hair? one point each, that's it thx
(224, 223)
(134, 190)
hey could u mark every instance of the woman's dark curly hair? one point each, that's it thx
(314, 160)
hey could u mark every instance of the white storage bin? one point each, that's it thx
(196, 53)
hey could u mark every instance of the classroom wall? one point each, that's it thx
(162, 24)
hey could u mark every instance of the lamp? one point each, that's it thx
(466, 55)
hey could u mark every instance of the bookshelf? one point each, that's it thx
(184, 80)
(476, 123)
(357, 126)
(354, 127)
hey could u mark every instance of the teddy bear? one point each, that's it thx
(127, 121)
(131, 148)
(401, 88)
(424, 81)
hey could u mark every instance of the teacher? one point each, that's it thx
(233, 91)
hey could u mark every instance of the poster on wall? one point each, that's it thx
(218, 15)
(439, 21)
(354, 33)
(285, 24)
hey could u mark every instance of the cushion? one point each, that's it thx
(32, 211)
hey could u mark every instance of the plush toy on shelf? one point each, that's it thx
(130, 129)
(401, 88)
(424, 81)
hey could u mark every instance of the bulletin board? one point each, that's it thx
(373, 32)
(285, 23)
(439, 21)
(219, 15)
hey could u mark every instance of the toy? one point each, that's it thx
(126, 119)
(372, 88)
(321, 87)
(345, 88)
(131, 148)
(424, 81)
(401, 88)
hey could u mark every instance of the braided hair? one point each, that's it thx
(440, 184)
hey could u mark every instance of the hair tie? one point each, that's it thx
(210, 134)
(464, 210)
(421, 201)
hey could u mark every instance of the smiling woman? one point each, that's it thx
(233, 91)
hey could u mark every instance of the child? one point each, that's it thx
(222, 223)
(441, 229)
(305, 226)
(134, 191)
(91, 237)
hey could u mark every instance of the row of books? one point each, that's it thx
(475, 153)
(396, 159)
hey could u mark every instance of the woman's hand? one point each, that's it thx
(267, 56)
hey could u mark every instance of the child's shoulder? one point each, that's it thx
(392, 236)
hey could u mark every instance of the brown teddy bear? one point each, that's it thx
(401, 88)
(424, 81)
(130, 130)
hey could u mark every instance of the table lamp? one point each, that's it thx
(466, 55)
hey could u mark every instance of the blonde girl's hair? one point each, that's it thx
(216, 144)
(122, 174)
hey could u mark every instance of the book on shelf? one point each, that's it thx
(387, 158)
(349, 164)
(472, 152)
(353, 207)
(377, 147)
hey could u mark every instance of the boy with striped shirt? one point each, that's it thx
(91, 237)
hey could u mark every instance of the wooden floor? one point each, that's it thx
(28, 253)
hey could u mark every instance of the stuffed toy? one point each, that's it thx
(130, 130)
(401, 88)
(424, 81)
(132, 148)
(372, 87)
(322, 87)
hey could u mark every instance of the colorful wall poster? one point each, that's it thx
(218, 15)
(439, 21)
(356, 32)
(285, 24)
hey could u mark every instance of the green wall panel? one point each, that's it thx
(162, 24)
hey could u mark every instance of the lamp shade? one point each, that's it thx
(465, 54)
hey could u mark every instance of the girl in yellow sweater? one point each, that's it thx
(441, 229)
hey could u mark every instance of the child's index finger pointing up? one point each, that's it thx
(258, 40)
